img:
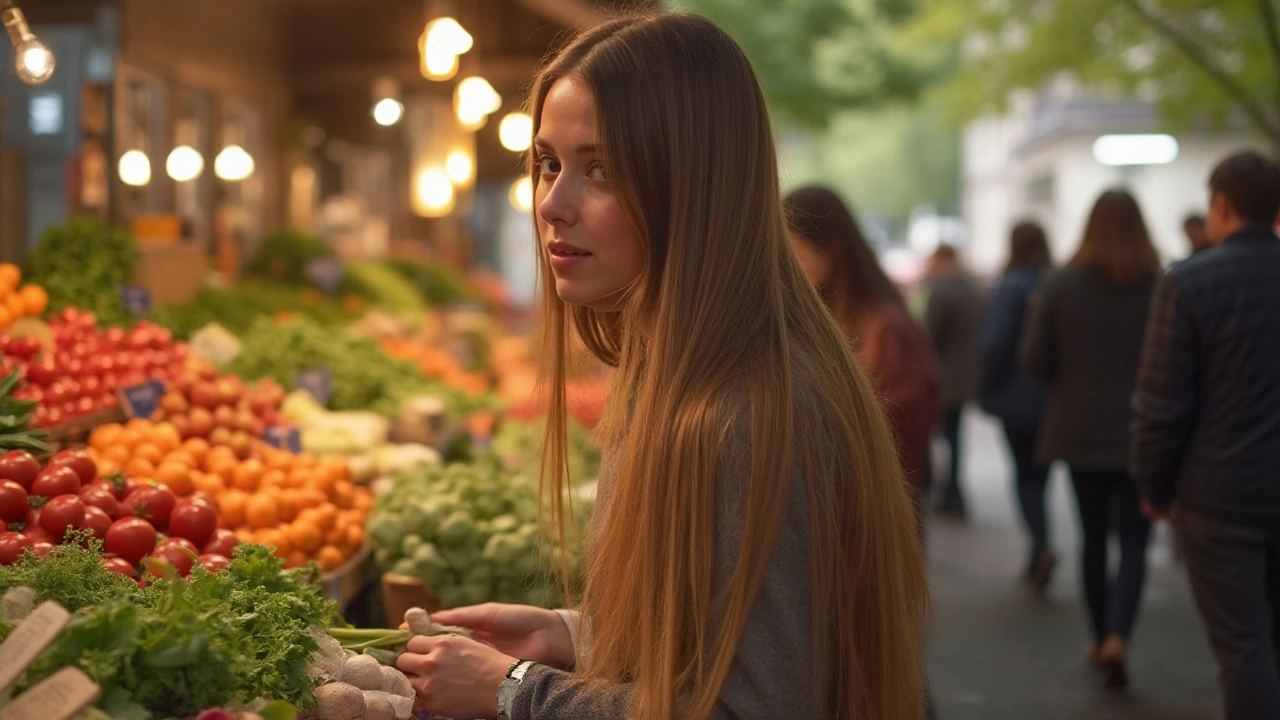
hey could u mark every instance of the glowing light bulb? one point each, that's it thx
(459, 167)
(233, 164)
(521, 195)
(135, 168)
(34, 62)
(434, 193)
(449, 35)
(388, 111)
(516, 131)
(184, 163)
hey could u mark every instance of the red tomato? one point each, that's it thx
(56, 480)
(13, 502)
(53, 416)
(122, 566)
(99, 495)
(19, 466)
(131, 539)
(223, 543)
(43, 372)
(98, 521)
(186, 545)
(40, 548)
(79, 461)
(194, 520)
(214, 563)
(11, 546)
(63, 513)
(177, 556)
(151, 502)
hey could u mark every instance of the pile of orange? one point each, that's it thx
(15, 302)
(304, 507)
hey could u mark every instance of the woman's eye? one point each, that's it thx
(548, 165)
(597, 172)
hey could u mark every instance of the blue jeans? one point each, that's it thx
(1235, 578)
(1108, 502)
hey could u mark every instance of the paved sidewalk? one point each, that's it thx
(999, 653)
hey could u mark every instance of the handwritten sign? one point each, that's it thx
(325, 272)
(141, 401)
(318, 382)
(136, 299)
(284, 438)
(29, 639)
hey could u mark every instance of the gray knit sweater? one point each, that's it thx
(772, 675)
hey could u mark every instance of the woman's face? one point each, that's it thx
(594, 252)
(816, 264)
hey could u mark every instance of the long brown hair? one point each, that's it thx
(722, 326)
(1116, 246)
(858, 282)
(1028, 246)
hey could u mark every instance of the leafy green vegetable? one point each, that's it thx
(84, 263)
(70, 575)
(283, 256)
(15, 420)
(438, 284)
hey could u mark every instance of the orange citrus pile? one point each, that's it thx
(15, 301)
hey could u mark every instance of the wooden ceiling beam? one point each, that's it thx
(504, 72)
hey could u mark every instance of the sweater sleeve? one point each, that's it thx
(771, 675)
(1039, 343)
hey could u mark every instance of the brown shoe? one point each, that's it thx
(1113, 661)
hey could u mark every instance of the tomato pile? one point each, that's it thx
(85, 366)
(136, 519)
(200, 403)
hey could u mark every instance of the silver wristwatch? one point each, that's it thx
(511, 683)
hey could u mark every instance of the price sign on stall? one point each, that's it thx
(141, 401)
(284, 438)
(136, 299)
(325, 272)
(318, 382)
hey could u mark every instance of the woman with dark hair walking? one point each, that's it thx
(1085, 340)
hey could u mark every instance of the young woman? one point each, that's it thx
(753, 551)
(869, 309)
(1013, 395)
(1085, 341)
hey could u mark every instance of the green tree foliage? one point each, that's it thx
(1203, 60)
(818, 57)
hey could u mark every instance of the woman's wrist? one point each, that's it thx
(560, 644)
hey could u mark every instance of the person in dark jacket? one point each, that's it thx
(1013, 395)
(953, 318)
(1206, 428)
(1085, 340)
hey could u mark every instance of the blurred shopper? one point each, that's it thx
(953, 318)
(1197, 234)
(1085, 340)
(869, 308)
(1014, 396)
(751, 552)
(1206, 428)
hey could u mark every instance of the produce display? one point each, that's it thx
(469, 531)
(79, 371)
(16, 416)
(303, 507)
(201, 403)
(178, 646)
(17, 300)
(84, 264)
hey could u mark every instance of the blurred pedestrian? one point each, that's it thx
(1197, 235)
(869, 308)
(1207, 424)
(1016, 397)
(1085, 340)
(953, 318)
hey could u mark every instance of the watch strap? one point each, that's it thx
(510, 684)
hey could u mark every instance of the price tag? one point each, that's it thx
(136, 299)
(35, 633)
(60, 696)
(325, 272)
(318, 382)
(284, 438)
(141, 401)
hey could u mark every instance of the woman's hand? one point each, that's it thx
(521, 631)
(455, 676)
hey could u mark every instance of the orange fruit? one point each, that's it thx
(231, 507)
(117, 454)
(343, 495)
(34, 300)
(14, 304)
(326, 515)
(139, 468)
(363, 500)
(129, 438)
(175, 477)
(338, 468)
(224, 468)
(207, 483)
(181, 457)
(218, 453)
(10, 276)
(148, 451)
(138, 424)
(329, 558)
(279, 460)
(6, 317)
(299, 477)
(274, 478)
(305, 536)
(290, 503)
(273, 538)
(261, 511)
(198, 448)
(246, 475)
(312, 498)
(355, 535)
(296, 559)
(166, 437)
(107, 468)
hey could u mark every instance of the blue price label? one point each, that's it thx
(318, 382)
(136, 299)
(141, 401)
(325, 272)
(284, 438)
